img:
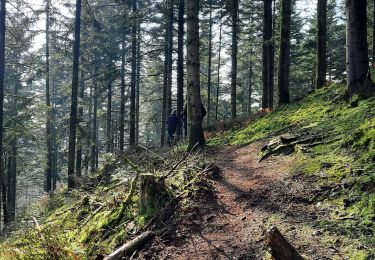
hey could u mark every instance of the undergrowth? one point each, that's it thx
(92, 220)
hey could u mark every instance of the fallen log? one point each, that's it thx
(280, 248)
(129, 248)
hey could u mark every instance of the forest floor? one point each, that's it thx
(247, 198)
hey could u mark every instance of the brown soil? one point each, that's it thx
(230, 219)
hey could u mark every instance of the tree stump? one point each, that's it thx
(281, 249)
(151, 192)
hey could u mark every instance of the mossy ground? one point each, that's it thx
(345, 162)
(81, 224)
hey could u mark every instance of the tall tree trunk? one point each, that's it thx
(73, 108)
(48, 170)
(357, 65)
(167, 84)
(267, 74)
(89, 133)
(80, 126)
(180, 64)
(138, 84)
(218, 70)
(284, 55)
(94, 133)
(373, 34)
(209, 65)
(250, 83)
(271, 78)
(2, 69)
(122, 99)
(196, 136)
(321, 57)
(234, 15)
(54, 143)
(133, 76)
(12, 178)
(109, 116)
(170, 59)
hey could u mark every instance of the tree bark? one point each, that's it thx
(48, 170)
(73, 108)
(234, 16)
(218, 70)
(109, 115)
(250, 83)
(267, 75)
(357, 65)
(321, 57)
(2, 69)
(196, 136)
(138, 85)
(12, 174)
(54, 143)
(79, 124)
(180, 64)
(209, 65)
(94, 133)
(284, 54)
(167, 84)
(133, 76)
(373, 34)
(122, 97)
(170, 52)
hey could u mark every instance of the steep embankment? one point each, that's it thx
(315, 182)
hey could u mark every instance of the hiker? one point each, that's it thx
(185, 117)
(172, 122)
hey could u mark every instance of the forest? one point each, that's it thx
(187, 129)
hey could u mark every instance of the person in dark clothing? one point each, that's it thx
(172, 122)
(185, 117)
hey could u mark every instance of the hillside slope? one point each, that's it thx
(307, 168)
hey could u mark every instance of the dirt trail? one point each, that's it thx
(231, 222)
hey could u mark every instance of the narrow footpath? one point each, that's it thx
(247, 198)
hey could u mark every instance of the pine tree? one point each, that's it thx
(73, 109)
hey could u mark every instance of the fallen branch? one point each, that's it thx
(129, 248)
(38, 228)
(176, 165)
(281, 249)
(91, 215)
